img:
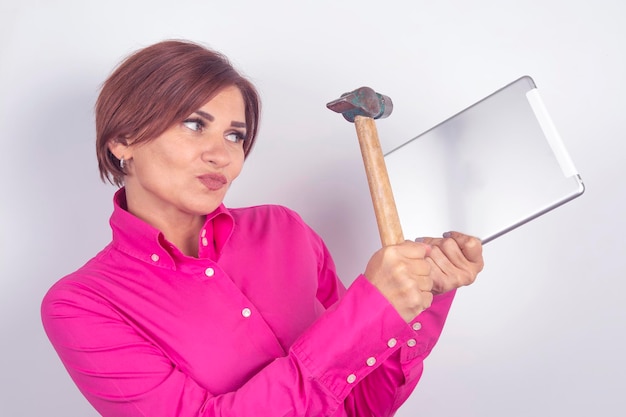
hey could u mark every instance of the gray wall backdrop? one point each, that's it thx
(541, 333)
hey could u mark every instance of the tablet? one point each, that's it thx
(485, 171)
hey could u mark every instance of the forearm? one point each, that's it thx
(123, 372)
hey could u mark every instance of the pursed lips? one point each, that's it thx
(213, 181)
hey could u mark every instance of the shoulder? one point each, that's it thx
(268, 213)
(274, 223)
(263, 209)
(81, 284)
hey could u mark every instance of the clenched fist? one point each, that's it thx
(455, 260)
(410, 273)
(402, 274)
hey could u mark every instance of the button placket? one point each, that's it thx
(203, 239)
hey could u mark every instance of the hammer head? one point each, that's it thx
(362, 102)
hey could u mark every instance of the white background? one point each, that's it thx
(541, 333)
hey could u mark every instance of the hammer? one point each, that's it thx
(362, 106)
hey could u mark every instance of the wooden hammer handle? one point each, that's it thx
(387, 217)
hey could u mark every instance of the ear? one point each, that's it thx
(120, 148)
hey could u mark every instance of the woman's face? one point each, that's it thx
(187, 169)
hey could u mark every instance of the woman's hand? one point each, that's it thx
(402, 274)
(455, 260)
(409, 274)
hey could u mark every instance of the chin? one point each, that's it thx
(205, 207)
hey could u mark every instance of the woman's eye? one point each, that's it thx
(194, 124)
(235, 137)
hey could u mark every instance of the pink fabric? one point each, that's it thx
(257, 325)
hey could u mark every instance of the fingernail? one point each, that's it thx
(447, 234)
(419, 239)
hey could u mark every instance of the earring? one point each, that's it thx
(122, 163)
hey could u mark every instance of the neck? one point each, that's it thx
(179, 228)
(184, 236)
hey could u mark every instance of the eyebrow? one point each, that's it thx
(206, 115)
(211, 118)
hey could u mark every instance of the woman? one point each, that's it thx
(195, 309)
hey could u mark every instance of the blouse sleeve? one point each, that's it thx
(385, 361)
(358, 358)
(391, 384)
(121, 373)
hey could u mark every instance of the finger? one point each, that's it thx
(414, 250)
(426, 239)
(451, 268)
(449, 246)
(441, 264)
(470, 246)
(444, 275)
(447, 252)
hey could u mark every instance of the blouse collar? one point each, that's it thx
(140, 240)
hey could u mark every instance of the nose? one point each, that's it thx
(215, 151)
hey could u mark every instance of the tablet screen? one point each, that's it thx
(486, 170)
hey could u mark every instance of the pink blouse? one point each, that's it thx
(258, 325)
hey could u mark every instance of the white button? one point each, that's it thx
(371, 361)
(392, 342)
(203, 232)
(246, 312)
(209, 272)
(411, 343)
(205, 241)
(154, 257)
(351, 378)
(417, 325)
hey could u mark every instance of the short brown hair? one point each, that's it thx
(157, 87)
